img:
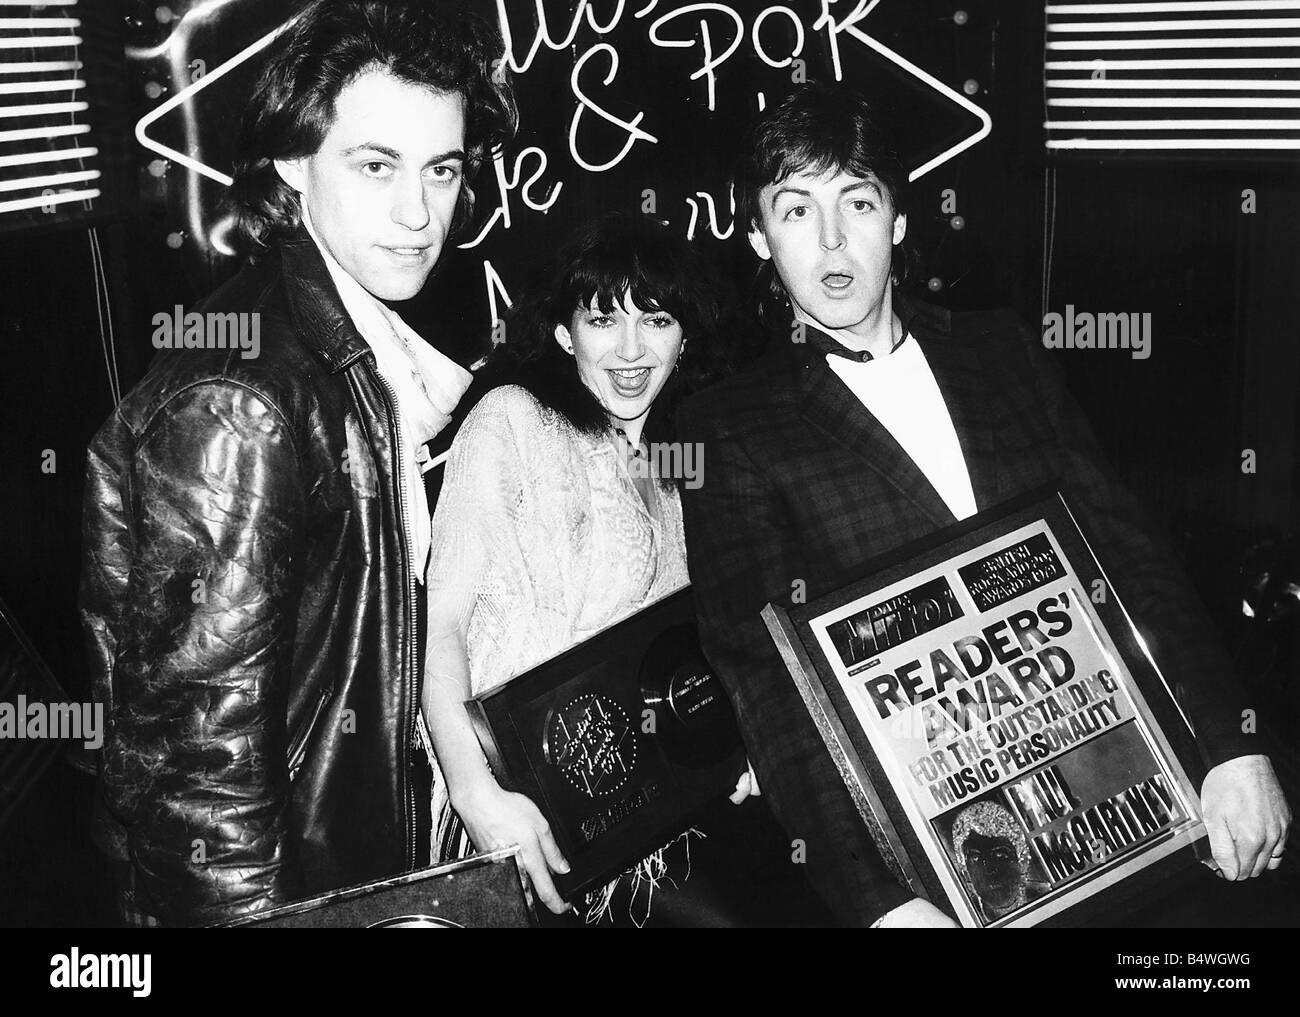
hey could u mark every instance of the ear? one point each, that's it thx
(293, 172)
(758, 241)
(564, 339)
(900, 229)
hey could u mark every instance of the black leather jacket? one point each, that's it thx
(250, 613)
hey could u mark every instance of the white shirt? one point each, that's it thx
(427, 386)
(900, 391)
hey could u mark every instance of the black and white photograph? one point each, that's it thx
(431, 427)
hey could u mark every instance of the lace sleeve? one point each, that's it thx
(474, 521)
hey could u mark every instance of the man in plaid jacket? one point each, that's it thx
(871, 423)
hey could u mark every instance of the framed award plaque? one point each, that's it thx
(619, 740)
(481, 892)
(1003, 731)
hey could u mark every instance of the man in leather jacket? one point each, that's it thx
(255, 527)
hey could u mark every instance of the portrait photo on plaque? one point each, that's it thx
(1003, 730)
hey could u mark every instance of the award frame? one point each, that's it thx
(917, 674)
(620, 740)
(479, 892)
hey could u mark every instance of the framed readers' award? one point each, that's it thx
(1001, 727)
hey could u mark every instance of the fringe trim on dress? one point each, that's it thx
(649, 872)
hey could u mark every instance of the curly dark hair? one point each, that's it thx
(818, 128)
(606, 258)
(329, 44)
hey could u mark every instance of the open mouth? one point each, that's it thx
(412, 253)
(837, 280)
(630, 381)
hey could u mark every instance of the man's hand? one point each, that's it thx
(1247, 816)
(746, 786)
(916, 914)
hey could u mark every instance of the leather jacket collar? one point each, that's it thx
(317, 310)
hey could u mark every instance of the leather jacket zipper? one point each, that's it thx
(298, 749)
(404, 777)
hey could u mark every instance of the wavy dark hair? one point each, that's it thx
(606, 258)
(329, 44)
(818, 128)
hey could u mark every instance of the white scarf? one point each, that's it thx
(428, 386)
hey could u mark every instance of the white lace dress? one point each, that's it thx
(540, 540)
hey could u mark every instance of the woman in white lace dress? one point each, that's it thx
(549, 526)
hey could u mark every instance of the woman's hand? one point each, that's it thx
(496, 818)
(746, 786)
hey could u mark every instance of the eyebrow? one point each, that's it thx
(396, 156)
(863, 183)
(856, 185)
(780, 192)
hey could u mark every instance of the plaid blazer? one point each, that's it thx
(801, 482)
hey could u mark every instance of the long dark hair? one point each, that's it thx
(606, 258)
(331, 42)
(817, 128)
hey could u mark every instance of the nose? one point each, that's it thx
(630, 343)
(831, 234)
(410, 207)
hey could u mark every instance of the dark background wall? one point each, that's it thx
(1167, 237)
